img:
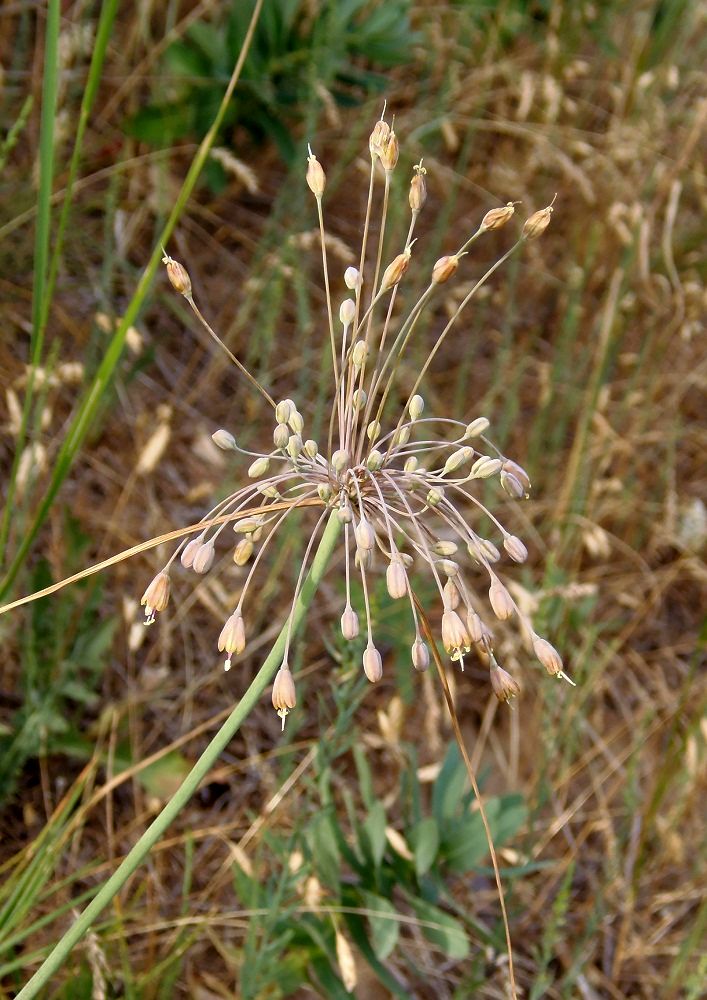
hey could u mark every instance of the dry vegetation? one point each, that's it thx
(588, 356)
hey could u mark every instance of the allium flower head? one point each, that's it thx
(401, 480)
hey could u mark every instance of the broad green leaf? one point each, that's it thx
(425, 839)
(374, 832)
(449, 787)
(445, 931)
(385, 930)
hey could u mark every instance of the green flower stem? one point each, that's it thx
(57, 957)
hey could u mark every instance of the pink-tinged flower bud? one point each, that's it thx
(519, 473)
(515, 548)
(511, 485)
(178, 277)
(395, 270)
(224, 440)
(372, 664)
(548, 655)
(504, 686)
(203, 558)
(283, 693)
(232, 637)
(190, 550)
(418, 189)
(497, 217)
(156, 597)
(501, 601)
(363, 558)
(537, 223)
(316, 178)
(444, 269)
(365, 535)
(396, 579)
(349, 623)
(378, 138)
(420, 655)
(450, 595)
(390, 152)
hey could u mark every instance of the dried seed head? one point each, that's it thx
(349, 623)
(352, 278)
(340, 460)
(450, 595)
(372, 664)
(243, 551)
(420, 655)
(296, 422)
(455, 638)
(515, 548)
(501, 600)
(347, 312)
(396, 579)
(311, 448)
(316, 178)
(203, 558)
(373, 430)
(476, 427)
(281, 435)
(548, 655)
(411, 464)
(444, 269)
(283, 693)
(365, 535)
(259, 467)
(395, 270)
(232, 638)
(504, 686)
(378, 138)
(418, 189)
(156, 596)
(190, 550)
(511, 485)
(178, 277)
(283, 410)
(359, 353)
(485, 467)
(498, 217)
(224, 440)
(390, 152)
(374, 460)
(538, 222)
(416, 407)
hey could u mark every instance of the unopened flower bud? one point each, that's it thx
(418, 189)
(156, 596)
(224, 440)
(504, 686)
(372, 664)
(475, 626)
(190, 550)
(246, 525)
(396, 579)
(178, 277)
(498, 217)
(344, 514)
(347, 311)
(294, 446)
(204, 557)
(374, 460)
(316, 178)
(395, 270)
(444, 547)
(511, 485)
(457, 459)
(390, 152)
(359, 398)
(365, 535)
(296, 422)
(512, 468)
(450, 595)
(485, 467)
(352, 278)
(476, 427)
(401, 436)
(378, 137)
(537, 223)
(410, 464)
(359, 353)
(325, 492)
(444, 269)
(243, 551)
(363, 558)
(269, 491)
(259, 467)
(515, 548)
(311, 448)
(548, 655)
(340, 460)
(232, 638)
(281, 435)
(416, 407)
(420, 655)
(449, 567)
(501, 601)
(283, 410)
(435, 497)
(283, 693)
(373, 430)
(349, 623)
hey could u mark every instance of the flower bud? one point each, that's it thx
(269, 491)
(420, 655)
(247, 525)
(396, 579)
(325, 492)
(359, 353)
(475, 626)
(416, 407)
(156, 596)
(359, 398)
(537, 223)
(548, 655)
(259, 467)
(178, 277)
(512, 468)
(373, 430)
(372, 664)
(450, 595)
(243, 551)
(294, 446)
(449, 567)
(444, 547)
(296, 422)
(203, 558)
(378, 138)
(457, 459)
(401, 436)
(374, 460)
(395, 270)
(476, 427)
(347, 311)
(311, 448)
(349, 623)
(365, 535)
(232, 638)
(444, 269)
(501, 600)
(435, 497)
(283, 693)
(484, 467)
(316, 178)
(281, 435)
(190, 550)
(283, 410)
(352, 278)
(340, 460)
(224, 440)
(515, 548)
(504, 686)
(363, 558)
(498, 217)
(344, 514)
(411, 464)
(418, 189)
(390, 152)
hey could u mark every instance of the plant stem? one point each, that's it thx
(220, 741)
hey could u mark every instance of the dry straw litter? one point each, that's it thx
(403, 483)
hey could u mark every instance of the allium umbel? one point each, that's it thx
(402, 485)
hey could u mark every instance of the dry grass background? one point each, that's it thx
(588, 356)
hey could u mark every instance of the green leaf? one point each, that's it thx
(322, 839)
(449, 786)
(163, 778)
(374, 832)
(448, 933)
(425, 839)
(464, 840)
(385, 930)
(365, 778)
